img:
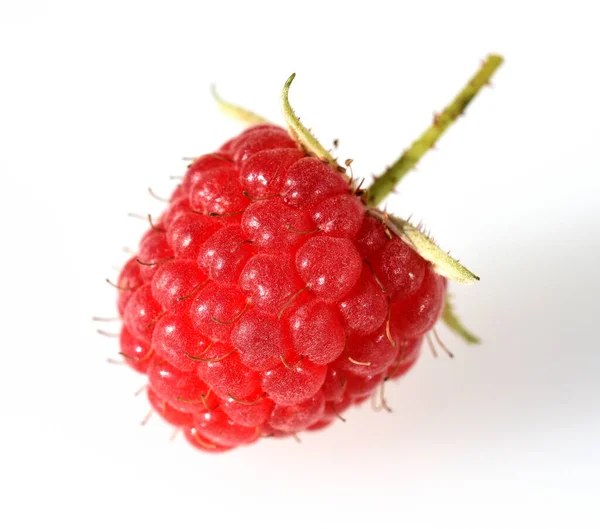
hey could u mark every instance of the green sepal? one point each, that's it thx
(452, 321)
(235, 111)
(310, 145)
(443, 263)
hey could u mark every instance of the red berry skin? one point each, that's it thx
(339, 216)
(215, 308)
(253, 411)
(218, 191)
(225, 253)
(260, 340)
(320, 425)
(197, 441)
(272, 225)
(180, 207)
(176, 341)
(167, 412)
(188, 232)
(269, 281)
(309, 181)
(228, 377)
(202, 164)
(183, 391)
(177, 195)
(137, 353)
(335, 409)
(399, 268)
(175, 280)
(217, 427)
(287, 387)
(278, 312)
(370, 237)
(329, 266)
(268, 431)
(299, 416)
(154, 251)
(368, 355)
(142, 313)
(262, 174)
(261, 139)
(128, 282)
(413, 316)
(366, 307)
(406, 358)
(335, 384)
(317, 332)
(357, 386)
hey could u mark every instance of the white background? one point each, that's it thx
(99, 100)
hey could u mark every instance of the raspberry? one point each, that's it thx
(176, 341)
(217, 427)
(254, 411)
(217, 191)
(263, 173)
(318, 332)
(271, 295)
(413, 316)
(137, 353)
(289, 386)
(357, 386)
(142, 313)
(187, 232)
(300, 416)
(201, 443)
(128, 282)
(339, 216)
(329, 266)
(260, 339)
(167, 412)
(226, 375)
(268, 281)
(365, 307)
(308, 181)
(214, 307)
(368, 355)
(399, 269)
(174, 281)
(334, 385)
(273, 225)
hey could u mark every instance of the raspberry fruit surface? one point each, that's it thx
(268, 297)
(254, 297)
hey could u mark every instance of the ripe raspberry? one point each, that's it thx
(270, 296)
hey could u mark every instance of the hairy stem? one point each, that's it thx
(385, 184)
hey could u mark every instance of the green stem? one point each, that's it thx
(386, 183)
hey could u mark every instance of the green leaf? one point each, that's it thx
(236, 112)
(452, 321)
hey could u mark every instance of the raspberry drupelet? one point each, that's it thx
(269, 297)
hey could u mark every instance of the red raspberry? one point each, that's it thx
(268, 298)
(266, 317)
(299, 416)
(167, 412)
